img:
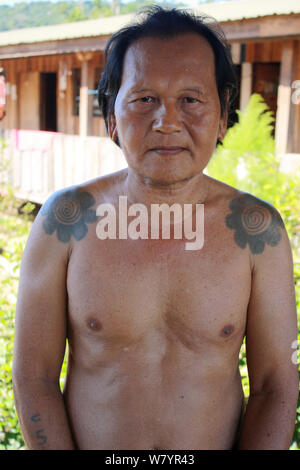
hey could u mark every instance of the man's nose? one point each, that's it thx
(167, 119)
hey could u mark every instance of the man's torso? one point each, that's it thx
(154, 336)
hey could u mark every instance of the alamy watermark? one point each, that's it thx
(185, 222)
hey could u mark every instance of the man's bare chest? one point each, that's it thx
(120, 290)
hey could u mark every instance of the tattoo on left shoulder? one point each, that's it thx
(68, 211)
(255, 223)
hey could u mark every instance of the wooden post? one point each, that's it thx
(85, 118)
(61, 94)
(284, 98)
(293, 145)
(236, 52)
(10, 121)
(70, 120)
(83, 100)
(246, 84)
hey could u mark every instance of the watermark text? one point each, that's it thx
(162, 221)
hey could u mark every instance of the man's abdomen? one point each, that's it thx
(178, 402)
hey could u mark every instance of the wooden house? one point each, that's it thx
(52, 71)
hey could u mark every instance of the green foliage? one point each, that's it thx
(14, 232)
(15, 228)
(13, 235)
(248, 143)
(247, 161)
(100, 8)
(41, 13)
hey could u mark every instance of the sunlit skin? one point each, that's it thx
(154, 331)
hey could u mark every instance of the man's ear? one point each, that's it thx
(223, 125)
(224, 119)
(112, 128)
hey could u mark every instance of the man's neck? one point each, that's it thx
(140, 189)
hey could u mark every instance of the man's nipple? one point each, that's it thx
(227, 331)
(94, 324)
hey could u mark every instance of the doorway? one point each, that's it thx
(48, 106)
(266, 82)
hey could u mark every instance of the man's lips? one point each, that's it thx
(168, 150)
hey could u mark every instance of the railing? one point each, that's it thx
(40, 163)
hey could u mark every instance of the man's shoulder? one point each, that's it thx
(237, 199)
(256, 223)
(96, 188)
(68, 211)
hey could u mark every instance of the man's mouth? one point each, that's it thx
(165, 151)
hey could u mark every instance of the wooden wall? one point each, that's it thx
(17, 71)
(21, 114)
(29, 100)
(42, 162)
(263, 51)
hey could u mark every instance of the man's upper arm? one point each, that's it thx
(271, 320)
(40, 324)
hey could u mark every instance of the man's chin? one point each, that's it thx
(158, 178)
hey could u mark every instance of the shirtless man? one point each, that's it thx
(155, 330)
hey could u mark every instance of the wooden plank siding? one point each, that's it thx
(41, 162)
(264, 51)
(67, 122)
(262, 29)
(50, 48)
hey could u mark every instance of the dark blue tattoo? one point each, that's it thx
(68, 211)
(36, 418)
(255, 222)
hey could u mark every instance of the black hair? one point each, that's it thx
(157, 21)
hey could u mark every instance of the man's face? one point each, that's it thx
(167, 111)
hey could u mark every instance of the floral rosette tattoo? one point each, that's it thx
(68, 212)
(255, 223)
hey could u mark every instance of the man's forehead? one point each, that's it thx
(185, 52)
(180, 43)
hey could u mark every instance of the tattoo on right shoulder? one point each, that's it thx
(68, 212)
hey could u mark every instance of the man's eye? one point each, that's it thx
(190, 100)
(147, 99)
